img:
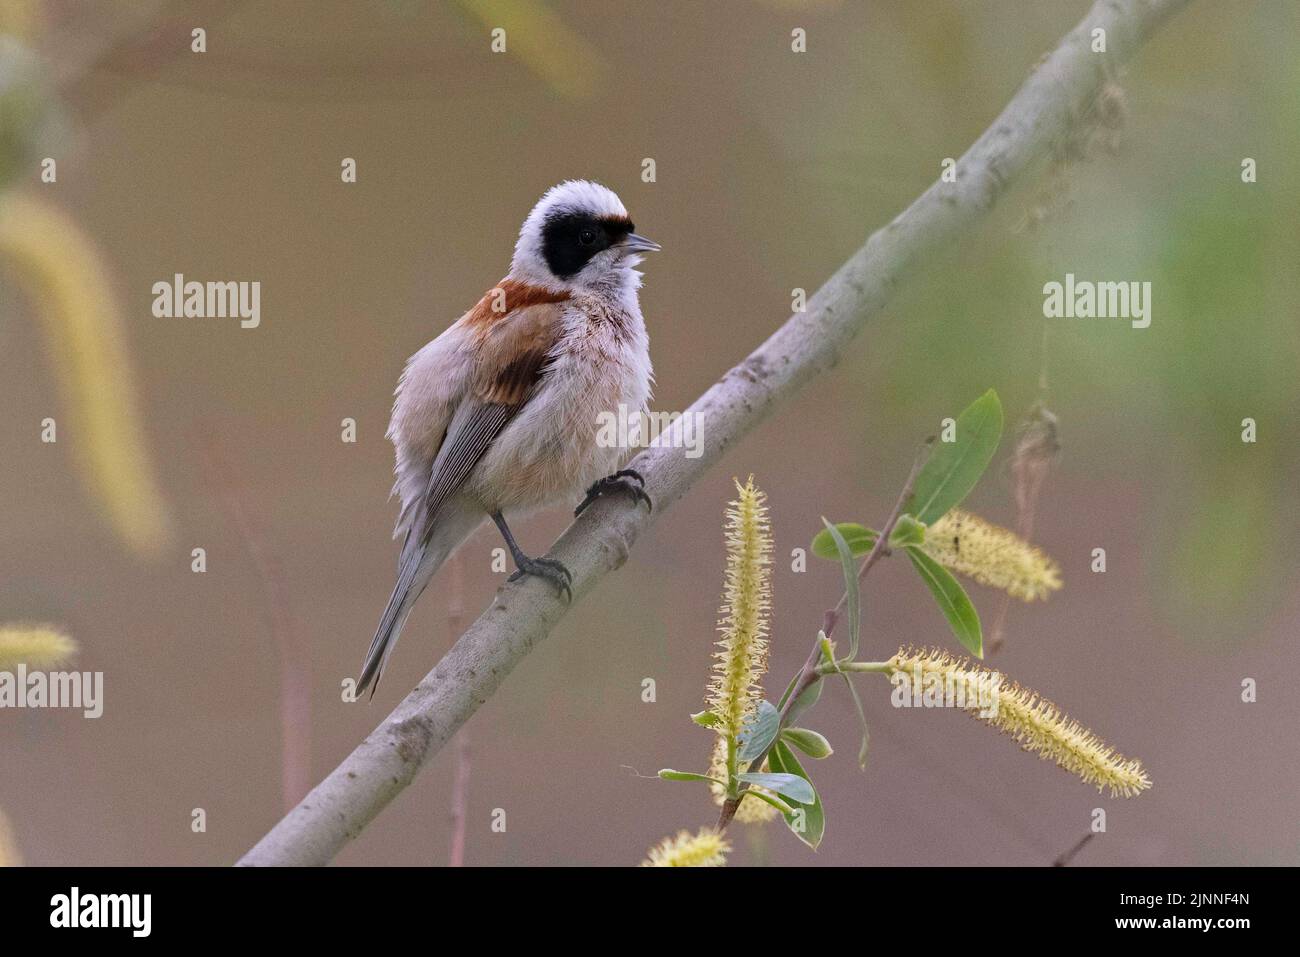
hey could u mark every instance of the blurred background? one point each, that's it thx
(771, 168)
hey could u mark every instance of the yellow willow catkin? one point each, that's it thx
(1032, 720)
(751, 810)
(741, 659)
(706, 849)
(73, 296)
(993, 556)
(36, 646)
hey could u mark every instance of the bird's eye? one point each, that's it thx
(587, 236)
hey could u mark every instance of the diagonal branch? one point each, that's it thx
(1057, 92)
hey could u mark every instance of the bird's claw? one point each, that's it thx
(548, 568)
(627, 481)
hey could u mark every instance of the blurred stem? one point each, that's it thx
(1067, 856)
(460, 778)
(760, 847)
(878, 550)
(295, 658)
(873, 667)
(733, 767)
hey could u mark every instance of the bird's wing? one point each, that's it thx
(510, 354)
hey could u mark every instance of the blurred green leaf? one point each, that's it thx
(809, 742)
(907, 531)
(851, 589)
(705, 719)
(810, 696)
(792, 786)
(771, 799)
(953, 601)
(954, 467)
(858, 537)
(759, 731)
(810, 825)
(668, 774)
(26, 106)
(789, 689)
(827, 648)
(862, 719)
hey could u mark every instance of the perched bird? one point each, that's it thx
(501, 412)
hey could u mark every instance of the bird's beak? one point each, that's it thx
(632, 243)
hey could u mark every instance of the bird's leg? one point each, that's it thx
(548, 568)
(627, 481)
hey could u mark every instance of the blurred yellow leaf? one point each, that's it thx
(535, 34)
(61, 269)
(36, 646)
(21, 19)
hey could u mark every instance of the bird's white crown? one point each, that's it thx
(574, 196)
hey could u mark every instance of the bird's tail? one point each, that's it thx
(417, 565)
(399, 607)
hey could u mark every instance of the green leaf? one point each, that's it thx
(862, 719)
(953, 601)
(827, 648)
(907, 531)
(788, 690)
(810, 696)
(806, 700)
(759, 731)
(807, 821)
(809, 742)
(771, 799)
(792, 786)
(668, 774)
(859, 539)
(705, 719)
(851, 590)
(954, 467)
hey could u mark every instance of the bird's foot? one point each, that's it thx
(548, 568)
(627, 481)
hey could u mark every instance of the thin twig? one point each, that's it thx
(1037, 447)
(295, 659)
(881, 546)
(1065, 859)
